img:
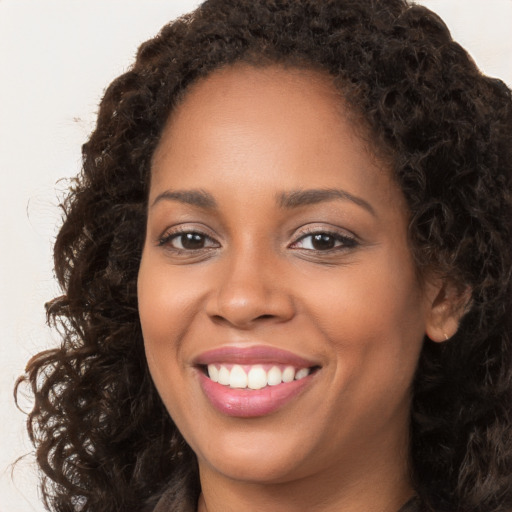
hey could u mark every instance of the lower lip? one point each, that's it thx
(249, 403)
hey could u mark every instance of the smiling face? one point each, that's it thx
(276, 251)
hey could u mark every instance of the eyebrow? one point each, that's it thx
(197, 197)
(287, 200)
(298, 198)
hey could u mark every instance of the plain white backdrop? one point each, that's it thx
(56, 58)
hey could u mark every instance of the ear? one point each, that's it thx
(447, 303)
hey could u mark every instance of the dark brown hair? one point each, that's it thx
(104, 440)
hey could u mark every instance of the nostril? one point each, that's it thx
(218, 319)
(264, 317)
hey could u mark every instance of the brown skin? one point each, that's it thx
(244, 136)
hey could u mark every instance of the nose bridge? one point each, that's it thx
(250, 288)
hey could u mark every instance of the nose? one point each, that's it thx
(251, 289)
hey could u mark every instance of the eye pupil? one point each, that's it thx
(323, 241)
(192, 241)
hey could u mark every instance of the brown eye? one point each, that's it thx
(188, 241)
(324, 241)
(191, 241)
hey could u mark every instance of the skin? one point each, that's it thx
(246, 136)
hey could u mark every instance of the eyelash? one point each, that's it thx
(167, 238)
(344, 242)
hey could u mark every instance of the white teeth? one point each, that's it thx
(213, 372)
(289, 374)
(237, 377)
(275, 376)
(223, 376)
(303, 372)
(256, 378)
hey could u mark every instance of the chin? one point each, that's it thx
(258, 461)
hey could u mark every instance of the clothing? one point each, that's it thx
(163, 505)
(413, 505)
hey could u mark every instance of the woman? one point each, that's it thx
(286, 270)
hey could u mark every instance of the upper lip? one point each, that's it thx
(256, 354)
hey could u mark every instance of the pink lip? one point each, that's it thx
(257, 354)
(247, 403)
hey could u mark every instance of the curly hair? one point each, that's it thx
(103, 437)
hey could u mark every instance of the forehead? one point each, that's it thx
(269, 98)
(231, 87)
(265, 121)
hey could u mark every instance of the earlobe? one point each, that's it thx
(448, 303)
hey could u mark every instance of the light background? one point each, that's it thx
(56, 58)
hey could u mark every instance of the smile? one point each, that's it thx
(254, 376)
(253, 381)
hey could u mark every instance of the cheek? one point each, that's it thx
(163, 317)
(166, 302)
(370, 299)
(374, 321)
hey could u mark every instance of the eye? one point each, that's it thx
(188, 241)
(324, 241)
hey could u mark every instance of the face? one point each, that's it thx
(281, 311)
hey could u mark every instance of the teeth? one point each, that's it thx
(237, 377)
(289, 374)
(274, 376)
(303, 372)
(256, 377)
(223, 376)
(213, 372)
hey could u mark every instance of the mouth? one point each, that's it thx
(257, 376)
(253, 381)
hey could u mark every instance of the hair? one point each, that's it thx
(103, 438)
